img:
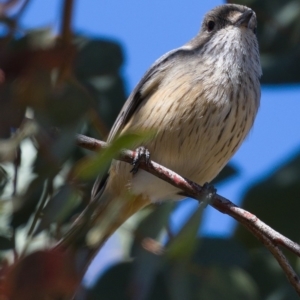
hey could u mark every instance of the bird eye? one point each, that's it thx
(210, 25)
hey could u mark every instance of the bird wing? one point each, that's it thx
(149, 82)
(152, 77)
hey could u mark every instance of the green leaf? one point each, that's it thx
(226, 173)
(146, 250)
(114, 284)
(97, 67)
(279, 38)
(183, 245)
(58, 207)
(97, 56)
(3, 179)
(6, 243)
(275, 200)
(8, 147)
(178, 281)
(91, 167)
(151, 226)
(25, 205)
(224, 283)
(222, 252)
(266, 272)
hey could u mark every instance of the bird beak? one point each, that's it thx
(244, 19)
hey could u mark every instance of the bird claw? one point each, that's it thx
(141, 154)
(208, 191)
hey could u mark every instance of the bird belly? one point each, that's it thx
(195, 134)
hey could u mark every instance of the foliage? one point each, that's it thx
(72, 84)
(279, 36)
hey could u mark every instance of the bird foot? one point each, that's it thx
(208, 192)
(141, 154)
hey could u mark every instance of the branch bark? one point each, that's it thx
(267, 235)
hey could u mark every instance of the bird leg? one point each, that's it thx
(208, 191)
(141, 154)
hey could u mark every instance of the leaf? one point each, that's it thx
(266, 272)
(148, 251)
(11, 114)
(97, 56)
(6, 243)
(222, 252)
(279, 37)
(90, 167)
(226, 173)
(178, 281)
(64, 105)
(113, 284)
(183, 245)
(275, 200)
(8, 147)
(25, 205)
(215, 257)
(224, 283)
(58, 207)
(3, 179)
(46, 274)
(151, 226)
(98, 68)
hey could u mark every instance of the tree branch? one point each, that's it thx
(268, 236)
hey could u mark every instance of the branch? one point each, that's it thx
(4, 7)
(267, 235)
(66, 26)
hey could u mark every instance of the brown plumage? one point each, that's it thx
(201, 100)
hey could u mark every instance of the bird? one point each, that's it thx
(200, 100)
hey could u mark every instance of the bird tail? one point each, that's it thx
(101, 218)
(111, 213)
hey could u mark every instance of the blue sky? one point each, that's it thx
(149, 28)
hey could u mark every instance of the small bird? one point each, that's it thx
(200, 100)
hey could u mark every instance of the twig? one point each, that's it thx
(21, 9)
(194, 190)
(268, 236)
(17, 162)
(66, 41)
(4, 7)
(40, 208)
(66, 27)
(279, 256)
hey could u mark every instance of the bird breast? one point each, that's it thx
(201, 112)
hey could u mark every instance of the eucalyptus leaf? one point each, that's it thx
(58, 207)
(275, 200)
(25, 205)
(147, 252)
(95, 165)
(279, 39)
(183, 245)
(6, 243)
